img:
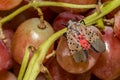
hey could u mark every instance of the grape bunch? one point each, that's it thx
(34, 39)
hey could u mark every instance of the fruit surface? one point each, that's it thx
(7, 75)
(58, 73)
(66, 61)
(108, 64)
(117, 25)
(29, 34)
(9, 4)
(5, 58)
(63, 18)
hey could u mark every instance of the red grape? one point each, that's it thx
(8, 37)
(17, 20)
(48, 14)
(6, 75)
(117, 25)
(5, 59)
(66, 61)
(58, 73)
(9, 4)
(63, 18)
(29, 34)
(108, 64)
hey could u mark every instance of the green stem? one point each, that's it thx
(34, 69)
(2, 35)
(100, 24)
(12, 15)
(43, 3)
(105, 9)
(24, 64)
(31, 64)
(61, 4)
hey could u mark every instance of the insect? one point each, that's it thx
(80, 39)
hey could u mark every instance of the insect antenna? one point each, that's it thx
(82, 21)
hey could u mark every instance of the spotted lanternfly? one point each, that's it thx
(80, 39)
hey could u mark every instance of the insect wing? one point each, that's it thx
(79, 55)
(92, 37)
(96, 43)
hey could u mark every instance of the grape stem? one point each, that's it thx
(36, 4)
(100, 22)
(105, 9)
(24, 63)
(38, 57)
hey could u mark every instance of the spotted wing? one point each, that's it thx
(79, 55)
(96, 43)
